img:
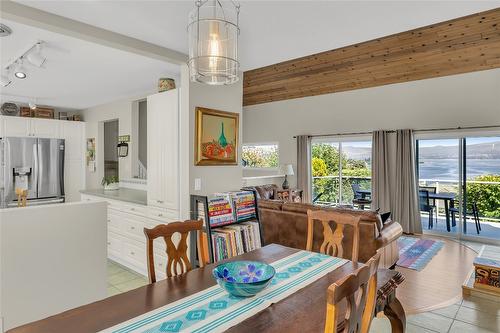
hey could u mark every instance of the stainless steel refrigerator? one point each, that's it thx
(34, 164)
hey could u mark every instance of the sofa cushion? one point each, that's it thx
(296, 207)
(270, 204)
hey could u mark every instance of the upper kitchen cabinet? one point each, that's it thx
(30, 127)
(73, 132)
(163, 149)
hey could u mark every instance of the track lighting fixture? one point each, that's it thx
(35, 57)
(20, 71)
(5, 80)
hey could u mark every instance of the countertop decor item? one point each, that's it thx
(213, 31)
(10, 109)
(110, 183)
(287, 170)
(216, 137)
(165, 84)
(244, 278)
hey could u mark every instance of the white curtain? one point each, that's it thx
(394, 179)
(304, 166)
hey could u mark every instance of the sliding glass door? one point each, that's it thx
(340, 168)
(459, 183)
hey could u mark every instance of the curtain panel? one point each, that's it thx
(394, 178)
(304, 166)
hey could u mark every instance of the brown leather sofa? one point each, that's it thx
(285, 223)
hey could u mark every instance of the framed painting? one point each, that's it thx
(216, 141)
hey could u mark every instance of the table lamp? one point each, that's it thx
(287, 170)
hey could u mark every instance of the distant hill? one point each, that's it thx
(490, 150)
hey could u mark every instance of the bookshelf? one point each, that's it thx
(229, 233)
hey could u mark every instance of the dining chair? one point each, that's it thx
(350, 294)
(177, 256)
(426, 207)
(332, 239)
(358, 199)
(474, 211)
(371, 298)
(432, 201)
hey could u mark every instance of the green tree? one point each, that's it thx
(487, 196)
(329, 154)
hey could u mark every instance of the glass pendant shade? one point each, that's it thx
(213, 42)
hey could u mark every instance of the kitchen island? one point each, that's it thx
(52, 258)
(122, 194)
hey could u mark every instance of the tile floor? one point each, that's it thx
(472, 314)
(121, 279)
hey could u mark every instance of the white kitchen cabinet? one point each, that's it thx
(16, 126)
(126, 240)
(45, 128)
(163, 150)
(30, 127)
(73, 132)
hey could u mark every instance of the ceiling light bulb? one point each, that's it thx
(20, 72)
(32, 105)
(5, 80)
(35, 57)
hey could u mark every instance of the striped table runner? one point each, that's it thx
(214, 310)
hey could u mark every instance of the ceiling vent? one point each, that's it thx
(4, 30)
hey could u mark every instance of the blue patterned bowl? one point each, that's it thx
(244, 278)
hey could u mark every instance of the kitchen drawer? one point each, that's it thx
(128, 208)
(114, 242)
(163, 215)
(135, 253)
(134, 228)
(160, 264)
(114, 222)
(91, 198)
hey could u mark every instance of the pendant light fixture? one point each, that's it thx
(213, 42)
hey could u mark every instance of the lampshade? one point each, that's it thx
(213, 42)
(287, 169)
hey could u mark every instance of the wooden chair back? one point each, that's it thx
(371, 297)
(351, 290)
(177, 256)
(22, 195)
(332, 239)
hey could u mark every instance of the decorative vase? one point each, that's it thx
(165, 84)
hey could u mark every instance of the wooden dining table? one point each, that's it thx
(303, 311)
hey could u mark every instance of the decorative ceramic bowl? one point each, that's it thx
(244, 278)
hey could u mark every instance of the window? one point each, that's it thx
(338, 167)
(263, 155)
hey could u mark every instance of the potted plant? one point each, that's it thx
(110, 183)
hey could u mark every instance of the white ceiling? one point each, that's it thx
(80, 74)
(77, 74)
(271, 31)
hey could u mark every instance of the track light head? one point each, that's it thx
(35, 57)
(5, 80)
(20, 71)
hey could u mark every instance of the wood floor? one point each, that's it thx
(439, 284)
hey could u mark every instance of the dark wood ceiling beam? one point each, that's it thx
(458, 46)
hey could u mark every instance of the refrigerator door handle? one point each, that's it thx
(36, 166)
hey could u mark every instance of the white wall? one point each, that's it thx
(124, 111)
(225, 98)
(52, 259)
(471, 99)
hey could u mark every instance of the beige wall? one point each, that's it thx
(471, 99)
(224, 98)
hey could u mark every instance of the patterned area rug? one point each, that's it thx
(416, 253)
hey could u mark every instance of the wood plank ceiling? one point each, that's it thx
(466, 44)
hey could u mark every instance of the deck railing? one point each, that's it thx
(330, 185)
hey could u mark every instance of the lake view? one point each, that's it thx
(447, 169)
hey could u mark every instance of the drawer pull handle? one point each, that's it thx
(159, 201)
(132, 253)
(132, 209)
(133, 228)
(109, 243)
(160, 214)
(109, 220)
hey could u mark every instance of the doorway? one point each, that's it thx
(459, 186)
(111, 165)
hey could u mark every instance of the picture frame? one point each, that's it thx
(216, 137)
